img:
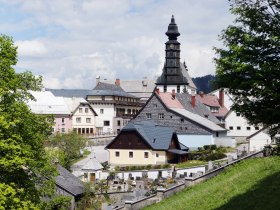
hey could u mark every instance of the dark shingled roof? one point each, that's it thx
(69, 182)
(158, 137)
(106, 89)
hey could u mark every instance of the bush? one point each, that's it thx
(148, 167)
(215, 156)
(166, 165)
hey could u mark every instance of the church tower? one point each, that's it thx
(174, 74)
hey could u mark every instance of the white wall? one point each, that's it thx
(108, 114)
(174, 87)
(257, 142)
(225, 142)
(233, 121)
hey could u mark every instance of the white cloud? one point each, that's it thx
(33, 48)
(70, 42)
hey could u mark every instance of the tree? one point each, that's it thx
(66, 147)
(25, 173)
(249, 66)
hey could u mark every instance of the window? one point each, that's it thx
(101, 111)
(164, 88)
(157, 155)
(248, 128)
(87, 130)
(238, 128)
(257, 128)
(117, 154)
(230, 127)
(62, 120)
(106, 123)
(182, 120)
(130, 154)
(160, 116)
(237, 114)
(83, 130)
(86, 110)
(146, 154)
(91, 130)
(80, 110)
(85, 175)
(119, 123)
(62, 130)
(149, 115)
(88, 120)
(155, 105)
(78, 120)
(178, 88)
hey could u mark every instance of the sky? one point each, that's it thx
(71, 42)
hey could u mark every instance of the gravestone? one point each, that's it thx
(210, 165)
(230, 158)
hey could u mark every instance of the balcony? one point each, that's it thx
(123, 115)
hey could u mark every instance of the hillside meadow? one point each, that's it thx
(251, 184)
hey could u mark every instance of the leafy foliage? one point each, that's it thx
(205, 83)
(250, 65)
(66, 147)
(25, 172)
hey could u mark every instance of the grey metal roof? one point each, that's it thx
(92, 164)
(158, 137)
(69, 182)
(198, 119)
(186, 75)
(69, 93)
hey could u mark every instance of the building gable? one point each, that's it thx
(128, 140)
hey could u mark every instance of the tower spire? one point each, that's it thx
(172, 31)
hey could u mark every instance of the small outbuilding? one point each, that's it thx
(145, 142)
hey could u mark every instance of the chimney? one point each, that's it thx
(97, 80)
(201, 94)
(157, 91)
(221, 97)
(173, 94)
(118, 82)
(193, 101)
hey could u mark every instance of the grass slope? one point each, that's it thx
(251, 184)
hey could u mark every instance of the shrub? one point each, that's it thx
(117, 168)
(215, 156)
(148, 167)
(166, 165)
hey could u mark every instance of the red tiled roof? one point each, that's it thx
(169, 101)
(212, 101)
(209, 100)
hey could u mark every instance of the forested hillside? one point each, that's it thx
(204, 83)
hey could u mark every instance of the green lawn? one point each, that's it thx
(251, 184)
(190, 163)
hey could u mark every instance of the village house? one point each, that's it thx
(238, 126)
(113, 106)
(46, 103)
(83, 115)
(194, 123)
(144, 143)
(67, 184)
(215, 104)
(258, 140)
